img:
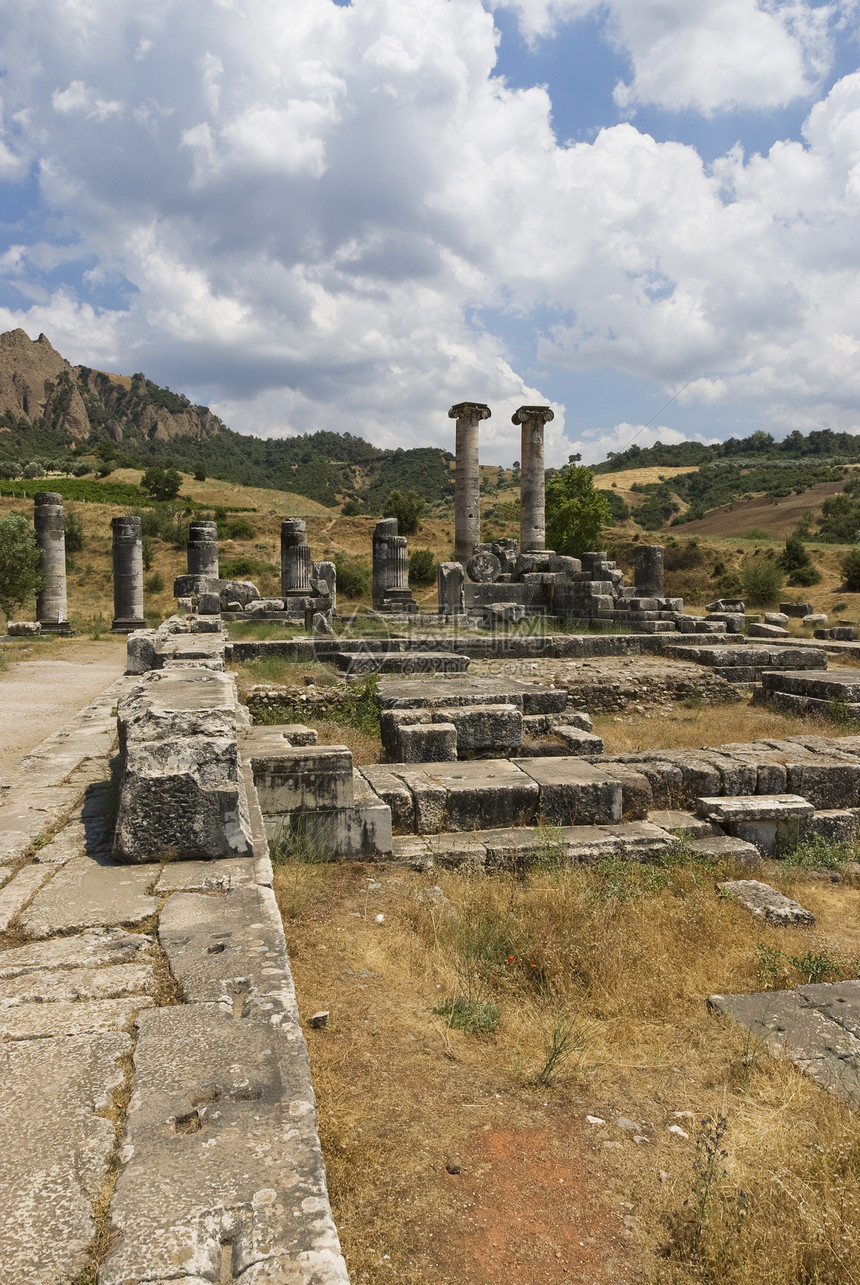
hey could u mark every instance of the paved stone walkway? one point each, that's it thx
(157, 1117)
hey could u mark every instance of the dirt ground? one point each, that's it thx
(45, 682)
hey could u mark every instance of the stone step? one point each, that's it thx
(361, 663)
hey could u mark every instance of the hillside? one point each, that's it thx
(53, 412)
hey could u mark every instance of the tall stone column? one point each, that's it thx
(51, 605)
(399, 563)
(532, 481)
(384, 535)
(467, 480)
(295, 557)
(648, 571)
(203, 549)
(127, 575)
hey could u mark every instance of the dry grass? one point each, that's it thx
(694, 726)
(621, 957)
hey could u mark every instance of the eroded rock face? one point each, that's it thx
(182, 793)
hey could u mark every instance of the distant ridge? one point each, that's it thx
(57, 412)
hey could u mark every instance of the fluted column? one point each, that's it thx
(203, 549)
(295, 557)
(51, 603)
(532, 480)
(648, 573)
(399, 563)
(127, 575)
(467, 479)
(384, 535)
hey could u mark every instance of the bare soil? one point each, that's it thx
(45, 683)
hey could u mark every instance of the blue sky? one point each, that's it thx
(351, 216)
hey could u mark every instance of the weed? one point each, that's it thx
(563, 1041)
(702, 1231)
(477, 1017)
(814, 966)
(551, 851)
(820, 854)
(770, 966)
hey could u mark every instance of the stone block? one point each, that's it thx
(209, 604)
(731, 605)
(815, 618)
(181, 793)
(204, 1191)
(573, 792)
(23, 628)
(726, 847)
(395, 794)
(778, 618)
(426, 743)
(637, 798)
(833, 825)
(766, 631)
(682, 824)
(796, 610)
(735, 622)
(771, 823)
(484, 727)
(293, 778)
(578, 741)
(765, 902)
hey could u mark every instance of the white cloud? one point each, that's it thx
(686, 54)
(594, 447)
(315, 209)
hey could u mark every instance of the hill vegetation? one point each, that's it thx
(61, 418)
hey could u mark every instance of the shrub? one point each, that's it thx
(353, 580)
(155, 582)
(796, 562)
(851, 571)
(422, 568)
(9, 469)
(34, 469)
(74, 531)
(352, 509)
(200, 473)
(761, 582)
(235, 529)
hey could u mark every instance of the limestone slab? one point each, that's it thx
(682, 823)
(88, 894)
(229, 950)
(77, 984)
(724, 847)
(205, 876)
(779, 807)
(837, 1000)
(55, 1152)
(573, 792)
(18, 891)
(791, 1027)
(70, 1017)
(766, 902)
(221, 1150)
(93, 949)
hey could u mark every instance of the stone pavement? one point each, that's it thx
(157, 1121)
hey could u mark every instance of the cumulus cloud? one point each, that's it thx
(706, 57)
(594, 447)
(311, 211)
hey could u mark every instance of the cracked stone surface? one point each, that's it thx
(55, 1152)
(69, 1017)
(87, 893)
(77, 983)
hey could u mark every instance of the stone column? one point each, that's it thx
(532, 480)
(399, 563)
(51, 604)
(127, 575)
(327, 572)
(203, 549)
(295, 557)
(467, 480)
(384, 536)
(648, 574)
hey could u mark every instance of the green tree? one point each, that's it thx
(161, 483)
(575, 512)
(796, 562)
(408, 508)
(20, 576)
(851, 571)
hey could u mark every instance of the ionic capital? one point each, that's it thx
(470, 410)
(525, 413)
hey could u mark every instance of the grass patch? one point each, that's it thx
(485, 1017)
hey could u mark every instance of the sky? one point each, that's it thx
(312, 214)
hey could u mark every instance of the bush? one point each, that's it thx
(9, 469)
(235, 529)
(353, 509)
(34, 469)
(353, 581)
(851, 571)
(796, 562)
(155, 582)
(422, 568)
(761, 582)
(74, 531)
(200, 473)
